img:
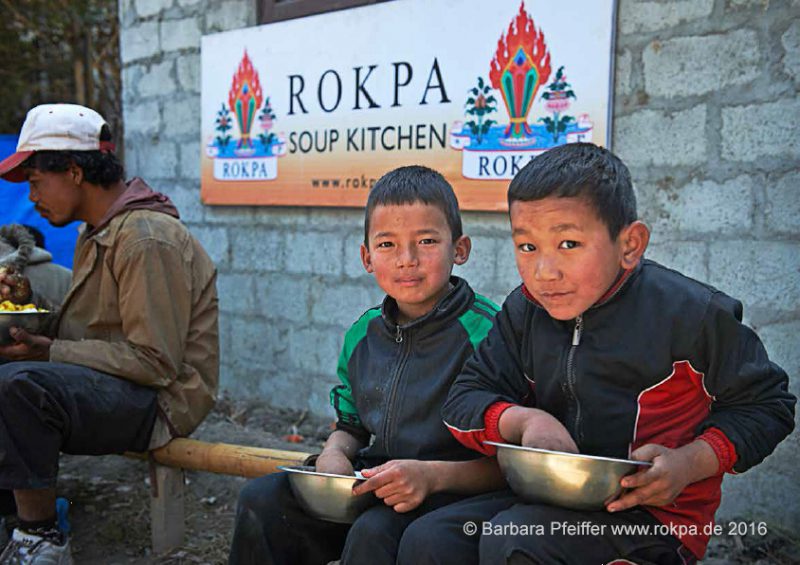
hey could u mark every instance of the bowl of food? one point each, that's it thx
(26, 316)
(569, 480)
(327, 496)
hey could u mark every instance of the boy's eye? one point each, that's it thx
(427, 241)
(568, 244)
(384, 244)
(526, 247)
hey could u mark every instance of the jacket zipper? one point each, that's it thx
(401, 363)
(572, 377)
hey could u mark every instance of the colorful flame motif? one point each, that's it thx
(245, 99)
(520, 65)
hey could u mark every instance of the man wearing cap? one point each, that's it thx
(131, 357)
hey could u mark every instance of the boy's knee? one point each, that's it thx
(263, 494)
(422, 538)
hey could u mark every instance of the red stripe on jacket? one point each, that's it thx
(474, 439)
(668, 414)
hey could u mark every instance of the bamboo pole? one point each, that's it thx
(223, 458)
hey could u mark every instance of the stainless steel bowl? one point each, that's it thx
(570, 480)
(30, 321)
(327, 496)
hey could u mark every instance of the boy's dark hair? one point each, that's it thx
(580, 170)
(101, 168)
(408, 185)
(37, 234)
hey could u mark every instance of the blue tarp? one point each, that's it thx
(16, 208)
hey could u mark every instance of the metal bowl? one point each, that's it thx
(570, 480)
(327, 496)
(30, 321)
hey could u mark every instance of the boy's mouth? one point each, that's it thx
(408, 281)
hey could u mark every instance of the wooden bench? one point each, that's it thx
(167, 464)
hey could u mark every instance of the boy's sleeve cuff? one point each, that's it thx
(491, 419)
(723, 449)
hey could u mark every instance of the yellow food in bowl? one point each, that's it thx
(8, 306)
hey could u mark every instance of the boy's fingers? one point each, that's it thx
(647, 452)
(628, 500)
(21, 336)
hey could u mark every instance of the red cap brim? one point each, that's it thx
(9, 167)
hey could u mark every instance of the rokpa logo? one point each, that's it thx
(250, 156)
(521, 65)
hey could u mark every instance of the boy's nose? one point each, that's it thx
(406, 257)
(545, 269)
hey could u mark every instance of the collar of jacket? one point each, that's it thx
(449, 307)
(621, 282)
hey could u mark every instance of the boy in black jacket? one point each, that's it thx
(396, 368)
(604, 353)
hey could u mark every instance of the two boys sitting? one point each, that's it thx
(598, 351)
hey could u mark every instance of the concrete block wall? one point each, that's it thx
(705, 115)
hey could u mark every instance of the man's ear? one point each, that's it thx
(76, 173)
(366, 259)
(462, 246)
(633, 240)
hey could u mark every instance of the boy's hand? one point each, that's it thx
(672, 471)
(28, 346)
(531, 427)
(334, 462)
(402, 484)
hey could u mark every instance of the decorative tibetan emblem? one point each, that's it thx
(519, 69)
(248, 157)
(521, 64)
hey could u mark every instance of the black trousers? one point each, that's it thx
(48, 408)
(506, 532)
(271, 528)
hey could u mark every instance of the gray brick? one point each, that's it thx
(282, 297)
(783, 205)
(187, 3)
(257, 249)
(649, 137)
(156, 80)
(351, 219)
(791, 44)
(686, 66)
(687, 257)
(481, 267)
(156, 160)
(142, 118)
(181, 116)
(190, 160)
(706, 207)
(314, 252)
(507, 274)
(340, 304)
(353, 267)
(763, 274)
(236, 294)
(139, 41)
(188, 66)
(282, 216)
(643, 17)
(622, 79)
(187, 200)
(130, 81)
(752, 132)
(315, 350)
(215, 242)
(180, 34)
(254, 341)
(147, 8)
(230, 15)
(781, 343)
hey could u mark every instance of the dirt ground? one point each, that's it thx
(109, 498)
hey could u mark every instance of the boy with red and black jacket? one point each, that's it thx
(604, 353)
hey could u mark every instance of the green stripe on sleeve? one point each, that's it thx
(477, 326)
(342, 395)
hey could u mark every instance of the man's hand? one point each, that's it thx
(672, 471)
(334, 462)
(14, 286)
(402, 484)
(28, 347)
(531, 427)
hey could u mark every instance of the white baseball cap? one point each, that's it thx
(55, 127)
